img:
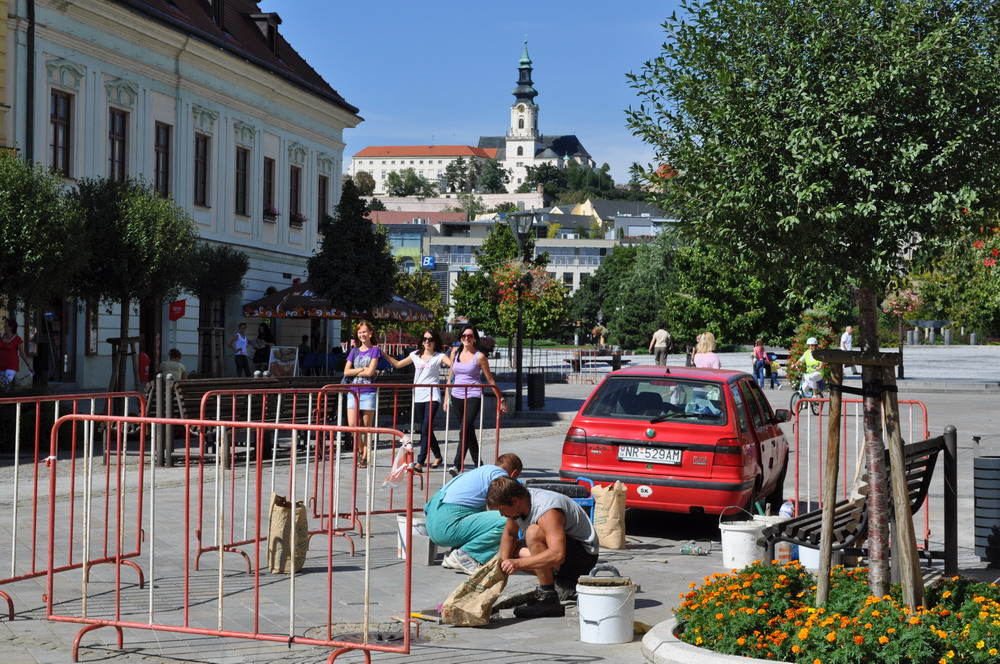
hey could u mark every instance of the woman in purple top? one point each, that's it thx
(467, 365)
(360, 368)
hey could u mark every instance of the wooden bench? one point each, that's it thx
(850, 521)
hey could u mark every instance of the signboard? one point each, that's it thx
(284, 361)
(428, 262)
(177, 309)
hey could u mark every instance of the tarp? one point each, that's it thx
(300, 301)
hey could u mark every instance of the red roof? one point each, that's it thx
(240, 37)
(397, 217)
(426, 151)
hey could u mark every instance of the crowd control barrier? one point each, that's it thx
(310, 605)
(103, 466)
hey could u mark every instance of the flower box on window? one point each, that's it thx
(271, 213)
(297, 219)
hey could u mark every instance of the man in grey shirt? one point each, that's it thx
(559, 545)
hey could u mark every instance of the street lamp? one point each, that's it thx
(520, 224)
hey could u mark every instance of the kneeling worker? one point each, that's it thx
(560, 543)
(457, 516)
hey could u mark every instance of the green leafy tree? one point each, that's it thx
(503, 207)
(635, 301)
(849, 129)
(588, 302)
(216, 271)
(376, 205)
(543, 300)
(407, 183)
(41, 233)
(456, 175)
(365, 183)
(470, 204)
(956, 285)
(419, 286)
(493, 178)
(354, 267)
(586, 178)
(547, 175)
(144, 248)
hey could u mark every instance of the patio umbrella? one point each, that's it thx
(300, 301)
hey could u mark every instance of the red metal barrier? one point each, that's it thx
(810, 432)
(27, 541)
(220, 603)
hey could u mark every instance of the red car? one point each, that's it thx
(689, 440)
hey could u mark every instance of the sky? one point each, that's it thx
(442, 73)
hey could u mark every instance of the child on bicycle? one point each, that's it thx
(812, 368)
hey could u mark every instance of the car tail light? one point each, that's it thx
(728, 452)
(575, 443)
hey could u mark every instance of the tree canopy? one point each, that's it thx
(407, 183)
(41, 233)
(354, 267)
(365, 183)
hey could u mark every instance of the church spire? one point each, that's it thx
(524, 92)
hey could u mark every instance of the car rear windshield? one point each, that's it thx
(661, 399)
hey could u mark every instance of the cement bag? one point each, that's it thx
(470, 604)
(279, 535)
(609, 515)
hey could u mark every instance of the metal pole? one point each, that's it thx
(519, 373)
(950, 500)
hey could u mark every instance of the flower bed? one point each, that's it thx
(768, 612)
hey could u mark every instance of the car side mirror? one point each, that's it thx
(782, 415)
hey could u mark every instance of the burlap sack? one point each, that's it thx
(470, 604)
(609, 515)
(279, 535)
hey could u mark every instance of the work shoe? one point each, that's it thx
(461, 561)
(565, 591)
(545, 605)
(453, 471)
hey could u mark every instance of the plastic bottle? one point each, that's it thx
(787, 509)
(692, 549)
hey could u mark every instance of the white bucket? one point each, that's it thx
(809, 557)
(607, 609)
(739, 543)
(419, 528)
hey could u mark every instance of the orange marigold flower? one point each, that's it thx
(831, 637)
(796, 649)
(859, 639)
(718, 616)
(883, 639)
(803, 634)
(741, 641)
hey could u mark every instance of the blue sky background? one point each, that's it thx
(442, 73)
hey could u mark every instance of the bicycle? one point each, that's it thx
(804, 393)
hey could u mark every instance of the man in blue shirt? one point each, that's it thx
(457, 515)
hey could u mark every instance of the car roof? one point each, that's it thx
(721, 375)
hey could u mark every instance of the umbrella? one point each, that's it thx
(300, 301)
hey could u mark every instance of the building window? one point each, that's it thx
(59, 116)
(161, 170)
(294, 191)
(242, 177)
(568, 279)
(520, 151)
(201, 142)
(268, 183)
(116, 144)
(520, 125)
(322, 197)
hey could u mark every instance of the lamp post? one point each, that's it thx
(520, 224)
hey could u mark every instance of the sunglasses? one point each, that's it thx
(431, 339)
(468, 336)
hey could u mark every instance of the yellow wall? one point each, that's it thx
(3, 74)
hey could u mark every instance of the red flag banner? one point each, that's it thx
(177, 309)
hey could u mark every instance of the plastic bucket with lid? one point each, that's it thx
(606, 606)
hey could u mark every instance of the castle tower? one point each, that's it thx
(522, 138)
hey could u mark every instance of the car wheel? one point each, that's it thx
(777, 495)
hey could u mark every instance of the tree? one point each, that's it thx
(365, 183)
(587, 304)
(508, 206)
(851, 128)
(493, 178)
(354, 267)
(407, 183)
(586, 178)
(543, 300)
(419, 286)
(143, 248)
(40, 234)
(216, 272)
(470, 204)
(456, 175)
(547, 175)
(376, 205)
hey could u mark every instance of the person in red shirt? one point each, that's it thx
(11, 353)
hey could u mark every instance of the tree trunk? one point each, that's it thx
(878, 506)
(900, 375)
(121, 355)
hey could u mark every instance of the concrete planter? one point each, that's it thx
(662, 647)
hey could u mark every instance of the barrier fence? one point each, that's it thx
(810, 435)
(185, 522)
(32, 528)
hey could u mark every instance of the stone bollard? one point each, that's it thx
(930, 336)
(909, 338)
(972, 338)
(947, 336)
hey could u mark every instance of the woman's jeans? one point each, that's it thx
(467, 410)
(424, 413)
(759, 371)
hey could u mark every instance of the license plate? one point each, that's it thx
(649, 454)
